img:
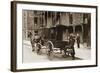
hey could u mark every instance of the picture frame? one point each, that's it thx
(48, 16)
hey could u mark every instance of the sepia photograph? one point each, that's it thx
(53, 36)
(56, 36)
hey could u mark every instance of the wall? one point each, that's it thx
(65, 19)
(5, 37)
(77, 18)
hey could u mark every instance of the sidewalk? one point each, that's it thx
(83, 52)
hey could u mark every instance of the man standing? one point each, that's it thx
(37, 39)
(78, 40)
(30, 35)
(71, 42)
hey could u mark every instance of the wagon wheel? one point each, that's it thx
(51, 55)
(73, 54)
(39, 49)
(50, 52)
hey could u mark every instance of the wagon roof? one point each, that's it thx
(60, 26)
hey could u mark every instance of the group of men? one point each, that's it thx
(35, 41)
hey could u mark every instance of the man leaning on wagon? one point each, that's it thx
(71, 43)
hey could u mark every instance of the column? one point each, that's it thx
(47, 20)
(73, 28)
(44, 18)
(82, 32)
(26, 12)
(60, 18)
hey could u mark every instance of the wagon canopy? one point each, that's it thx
(57, 31)
(60, 26)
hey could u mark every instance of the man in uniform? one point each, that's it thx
(78, 40)
(30, 35)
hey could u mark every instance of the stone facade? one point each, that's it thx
(37, 20)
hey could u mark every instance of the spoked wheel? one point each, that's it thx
(50, 55)
(50, 50)
(73, 54)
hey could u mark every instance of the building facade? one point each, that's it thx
(74, 22)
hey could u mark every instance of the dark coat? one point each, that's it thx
(78, 39)
(71, 41)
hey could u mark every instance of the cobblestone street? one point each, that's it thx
(82, 53)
